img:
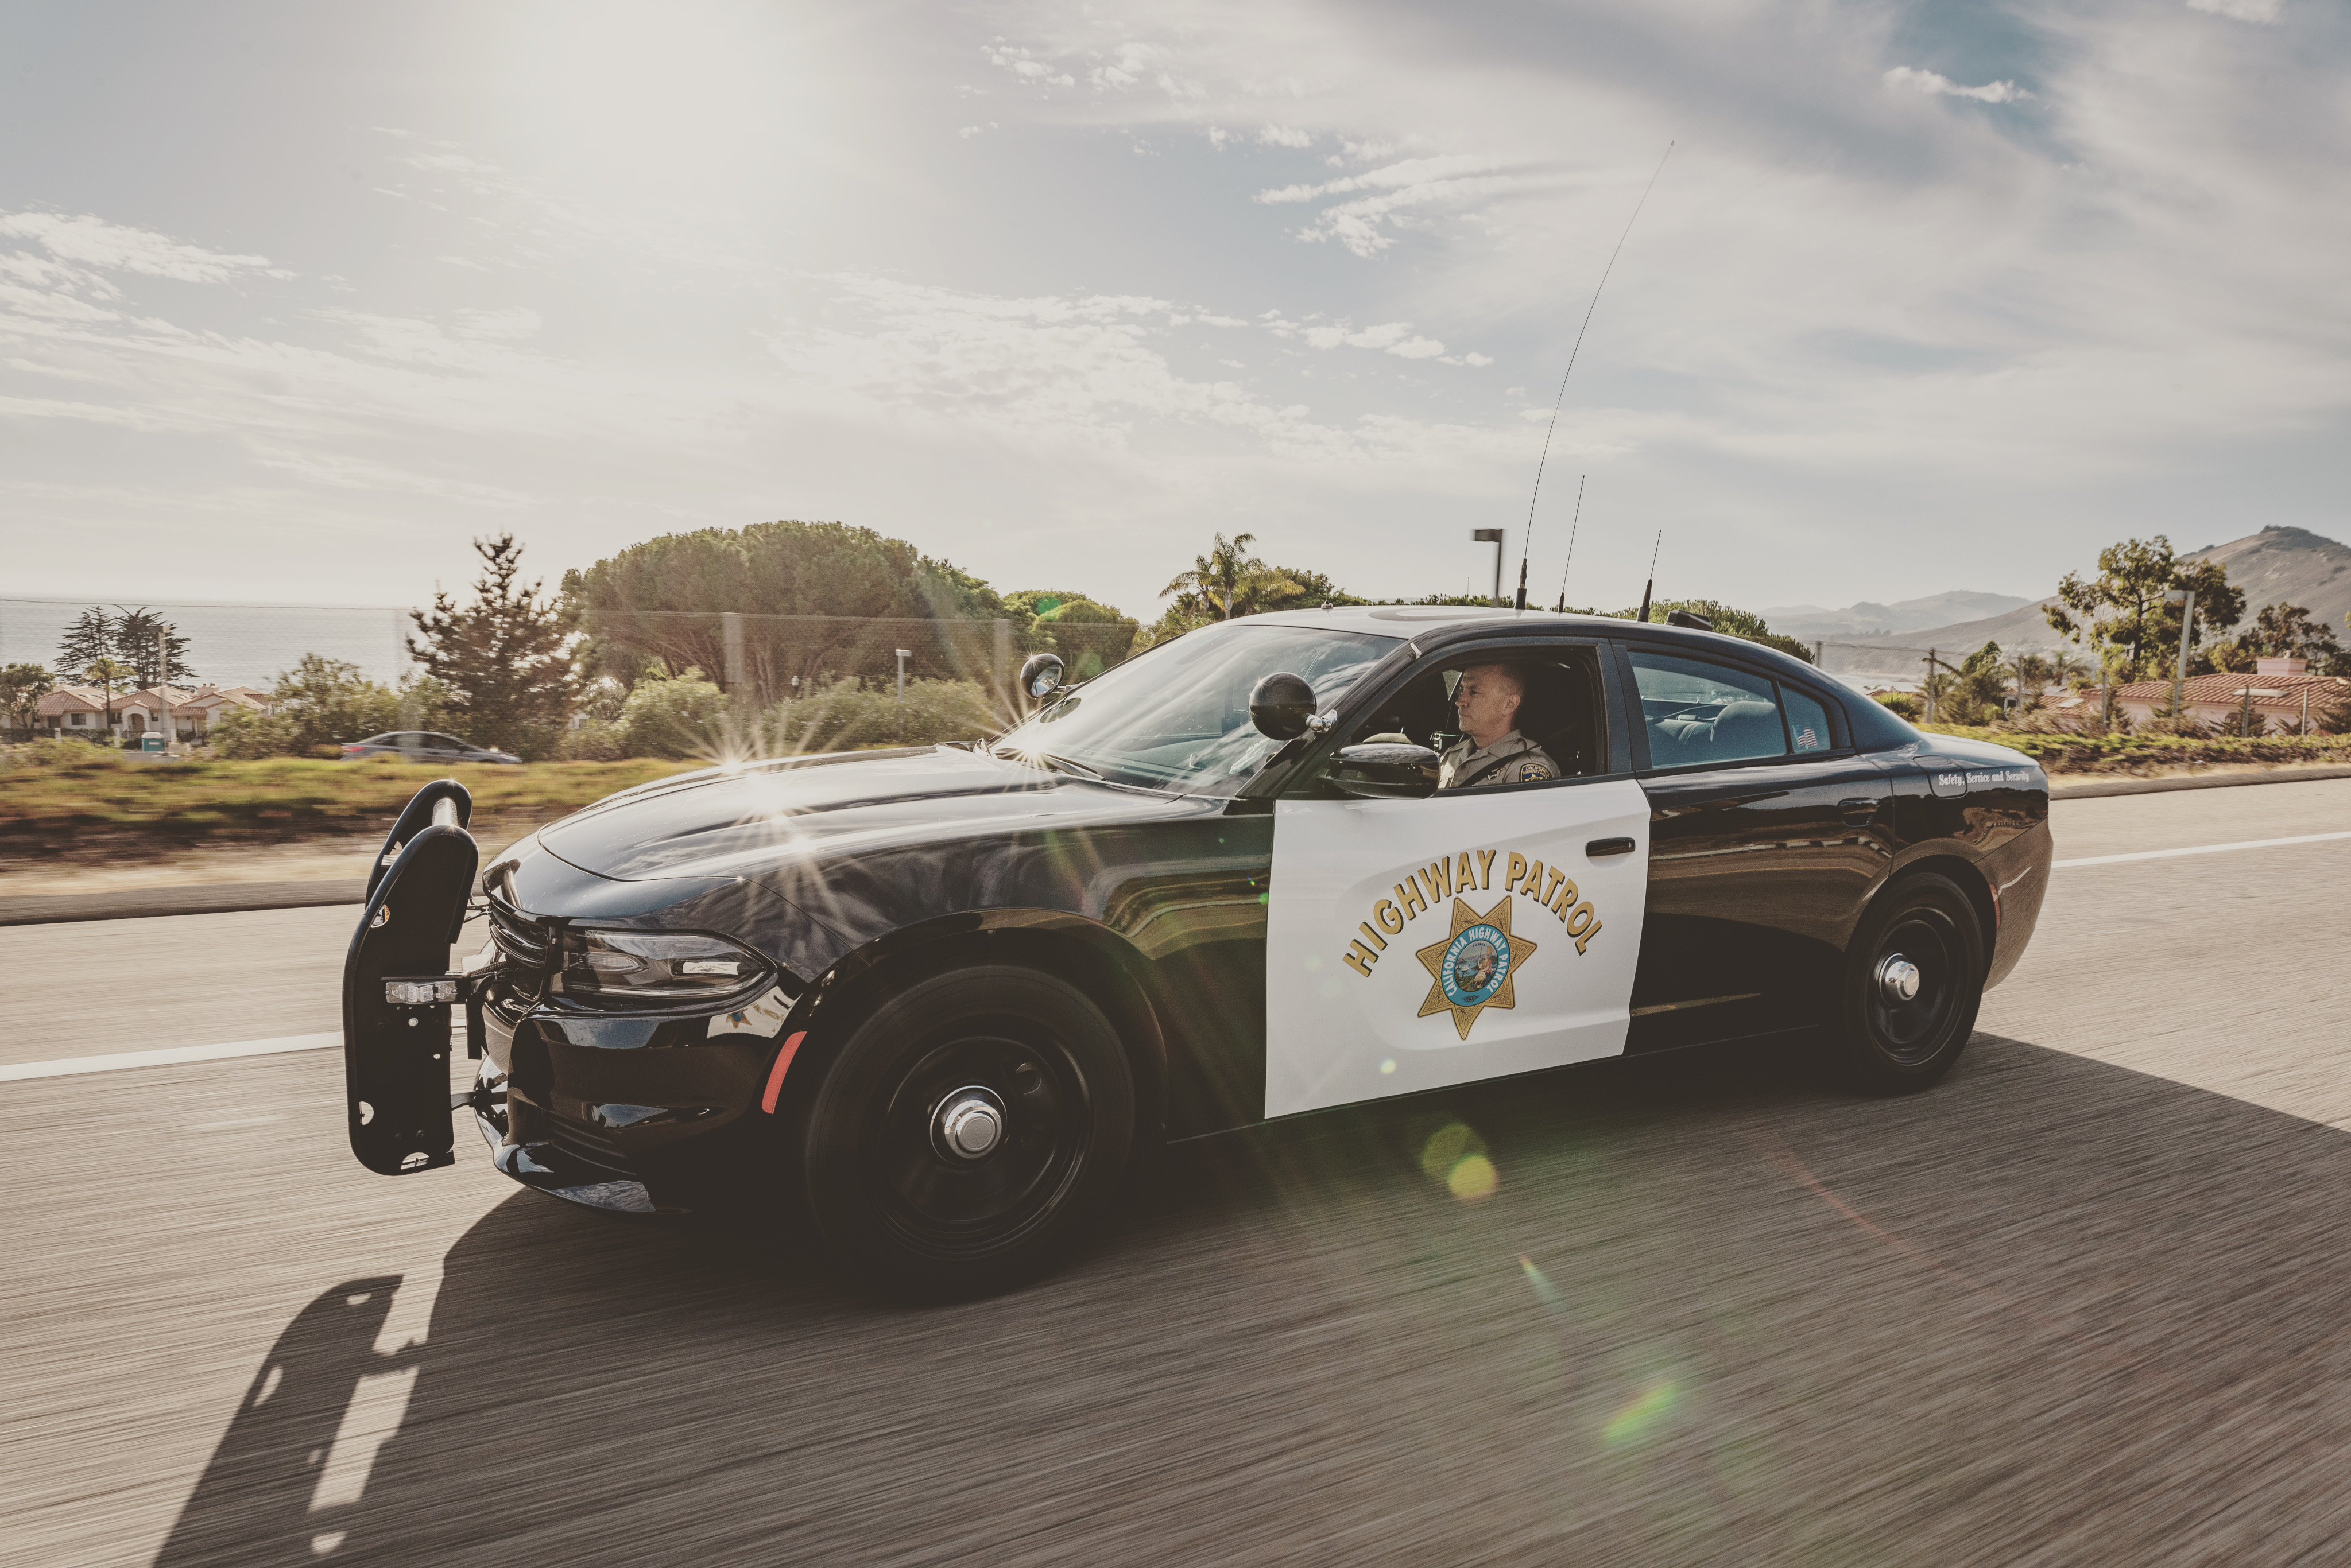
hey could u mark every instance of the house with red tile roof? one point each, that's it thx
(2280, 691)
(80, 710)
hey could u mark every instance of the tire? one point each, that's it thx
(1881, 1044)
(916, 1214)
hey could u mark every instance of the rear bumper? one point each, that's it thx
(2019, 873)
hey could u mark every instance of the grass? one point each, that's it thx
(77, 789)
(2061, 753)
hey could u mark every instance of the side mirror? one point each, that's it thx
(1041, 676)
(1281, 706)
(1384, 770)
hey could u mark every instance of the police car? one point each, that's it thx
(942, 998)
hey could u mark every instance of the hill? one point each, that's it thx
(2290, 564)
(1870, 619)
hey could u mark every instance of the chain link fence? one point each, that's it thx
(767, 658)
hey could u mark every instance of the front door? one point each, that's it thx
(1416, 944)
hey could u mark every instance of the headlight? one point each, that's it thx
(658, 967)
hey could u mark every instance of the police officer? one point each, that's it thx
(1491, 751)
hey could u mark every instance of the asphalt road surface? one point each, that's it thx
(2084, 1303)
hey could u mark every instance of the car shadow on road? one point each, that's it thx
(1680, 1310)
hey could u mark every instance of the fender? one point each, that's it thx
(1137, 1003)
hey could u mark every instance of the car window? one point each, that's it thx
(447, 743)
(1808, 722)
(1176, 717)
(380, 740)
(1698, 712)
(1561, 709)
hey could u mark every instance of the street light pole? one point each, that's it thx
(1492, 537)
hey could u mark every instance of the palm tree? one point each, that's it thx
(110, 672)
(1227, 573)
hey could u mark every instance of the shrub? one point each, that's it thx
(593, 741)
(1903, 704)
(846, 714)
(683, 716)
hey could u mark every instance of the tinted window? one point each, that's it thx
(1808, 722)
(1698, 712)
(1559, 705)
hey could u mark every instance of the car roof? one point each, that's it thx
(1408, 620)
(1431, 627)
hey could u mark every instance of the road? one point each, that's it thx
(2084, 1303)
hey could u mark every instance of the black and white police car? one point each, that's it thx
(943, 996)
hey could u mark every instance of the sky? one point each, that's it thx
(298, 300)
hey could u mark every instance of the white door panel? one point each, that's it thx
(1413, 944)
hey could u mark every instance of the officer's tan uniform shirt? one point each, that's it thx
(1512, 759)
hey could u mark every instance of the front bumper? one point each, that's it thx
(632, 1113)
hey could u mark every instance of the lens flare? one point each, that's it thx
(1456, 1157)
(1546, 1291)
(1637, 1420)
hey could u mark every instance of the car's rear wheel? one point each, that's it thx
(969, 1132)
(1912, 980)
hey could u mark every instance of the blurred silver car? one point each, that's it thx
(423, 746)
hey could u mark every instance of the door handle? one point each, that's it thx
(1600, 846)
(1858, 813)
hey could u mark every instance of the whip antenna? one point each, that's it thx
(1650, 587)
(1573, 524)
(1527, 541)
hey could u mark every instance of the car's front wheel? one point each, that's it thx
(969, 1132)
(1912, 980)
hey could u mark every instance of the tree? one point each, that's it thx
(87, 639)
(107, 673)
(2068, 669)
(1088, 635)
(663, 601)
(320, 702)
(1227, 581)
(1725, 619)
(2287, 631)
(134, 644)
(2033, 675)
(2123, 607)
(506, 659)
(22, 686)
(1970, 693)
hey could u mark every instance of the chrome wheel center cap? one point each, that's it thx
(969, 1124)
(1897, 979)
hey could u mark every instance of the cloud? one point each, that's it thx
(2264, 12)
(1285, 136)
(1414, 182)
(1937, 85)
(113, 247)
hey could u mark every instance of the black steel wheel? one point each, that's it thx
(1912, 980)
(969, 1132)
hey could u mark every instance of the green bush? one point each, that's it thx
(1903, 704)
(684, 716)
(593, 741)
(845, 715)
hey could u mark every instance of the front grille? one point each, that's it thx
(524, 943)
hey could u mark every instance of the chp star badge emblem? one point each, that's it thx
(1476, 966)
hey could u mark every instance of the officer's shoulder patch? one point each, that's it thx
(1531, 773)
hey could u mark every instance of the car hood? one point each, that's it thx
(743, 822)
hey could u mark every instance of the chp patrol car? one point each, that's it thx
(942, 997)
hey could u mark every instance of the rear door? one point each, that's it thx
(1415, 944)
(1768, 833)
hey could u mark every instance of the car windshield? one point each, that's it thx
(1177, 717)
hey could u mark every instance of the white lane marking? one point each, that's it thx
(2198, 849)
(70, 1065)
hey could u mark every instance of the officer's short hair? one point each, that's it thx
(1510, 672)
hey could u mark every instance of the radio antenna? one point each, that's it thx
(1527, 539)
(1571, 526)
(1650, 587)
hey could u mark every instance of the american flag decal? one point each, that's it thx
(1806, 740)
